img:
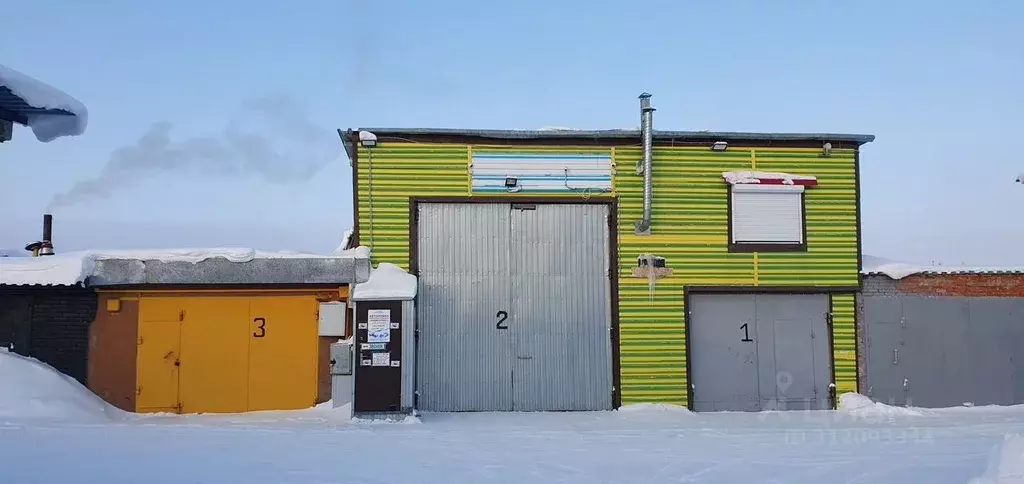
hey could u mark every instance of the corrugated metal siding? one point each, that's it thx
(560, 315)
(831, 257)
(399, 172)
(464, 362)
(844, 338)
(689, 229)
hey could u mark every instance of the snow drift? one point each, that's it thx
(1005, 463)
(858, 405)
(33, 390)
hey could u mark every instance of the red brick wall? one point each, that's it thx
(999, 285)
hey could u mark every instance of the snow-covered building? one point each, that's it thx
(939, 336)
(580, 270)
(46, 110)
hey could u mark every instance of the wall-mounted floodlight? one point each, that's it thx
(367, 139)
(511, 182)
(826, 149)
(719, 146)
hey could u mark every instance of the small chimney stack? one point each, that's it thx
(46, 248)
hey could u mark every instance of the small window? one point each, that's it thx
(766, 218)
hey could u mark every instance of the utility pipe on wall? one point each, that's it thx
(643, 226)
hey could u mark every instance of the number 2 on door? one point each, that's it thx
(746, 333)
(502, 316)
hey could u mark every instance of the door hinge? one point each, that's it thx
(138, 391)
(139, 341)
(181, 315)
(828, 318)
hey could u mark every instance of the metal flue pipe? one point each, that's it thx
(643, 226)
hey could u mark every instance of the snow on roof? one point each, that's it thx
(47, 126)
(767, 177)
(75, 267)
(13, 253)
(387, 281)
(898, 270)
(345, 239)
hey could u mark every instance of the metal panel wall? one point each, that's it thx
(464, 362)
(689, 229)
(944, 351)
(560, 316)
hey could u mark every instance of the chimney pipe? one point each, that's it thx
(46, 248)
(643, 226)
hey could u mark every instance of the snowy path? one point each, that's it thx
(646, 445)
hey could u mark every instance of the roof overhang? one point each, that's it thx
(48, 111)
(613, 135)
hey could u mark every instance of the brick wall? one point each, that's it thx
(58, 326)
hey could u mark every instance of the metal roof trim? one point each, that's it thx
(614, 134)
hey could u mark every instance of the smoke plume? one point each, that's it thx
(270, 137)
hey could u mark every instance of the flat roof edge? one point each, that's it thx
(616, 134)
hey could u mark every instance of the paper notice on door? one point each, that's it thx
(378, 326)
(381, 359)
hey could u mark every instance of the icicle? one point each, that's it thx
(651, 276)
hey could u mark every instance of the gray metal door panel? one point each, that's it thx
(885, 368)
(938, 363)
(993, 343)
(463, 362)
(560, 313)
(724, 367)
(802, 370)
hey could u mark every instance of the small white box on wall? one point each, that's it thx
(333, 316)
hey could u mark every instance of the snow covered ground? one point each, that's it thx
(54, 433)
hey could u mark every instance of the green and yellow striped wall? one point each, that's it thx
(689, 229)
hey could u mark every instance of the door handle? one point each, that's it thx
(524, 357)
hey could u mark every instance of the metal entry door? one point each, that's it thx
(759, 352)
(513, 308)
(463, 362)
(560, 317)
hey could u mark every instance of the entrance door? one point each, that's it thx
(560, 318)
(759, 352)
(464, 348)
(513, 307)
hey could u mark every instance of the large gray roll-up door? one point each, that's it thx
(759, 352)
(514, 307)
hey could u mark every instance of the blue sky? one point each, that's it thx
(940, 84)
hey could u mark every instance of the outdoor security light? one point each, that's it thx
(826, 149)
(719, 146)
(511, 182)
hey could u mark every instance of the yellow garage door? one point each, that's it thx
(214, 371)
(282, 352)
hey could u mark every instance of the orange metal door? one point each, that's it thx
(157, 366)
(282, 352)
(215, 355)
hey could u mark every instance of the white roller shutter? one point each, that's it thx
(771, 214)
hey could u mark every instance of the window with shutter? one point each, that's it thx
(766, 218)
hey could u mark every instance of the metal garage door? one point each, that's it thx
(944, 351)
(514, 309)
(759, 352)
